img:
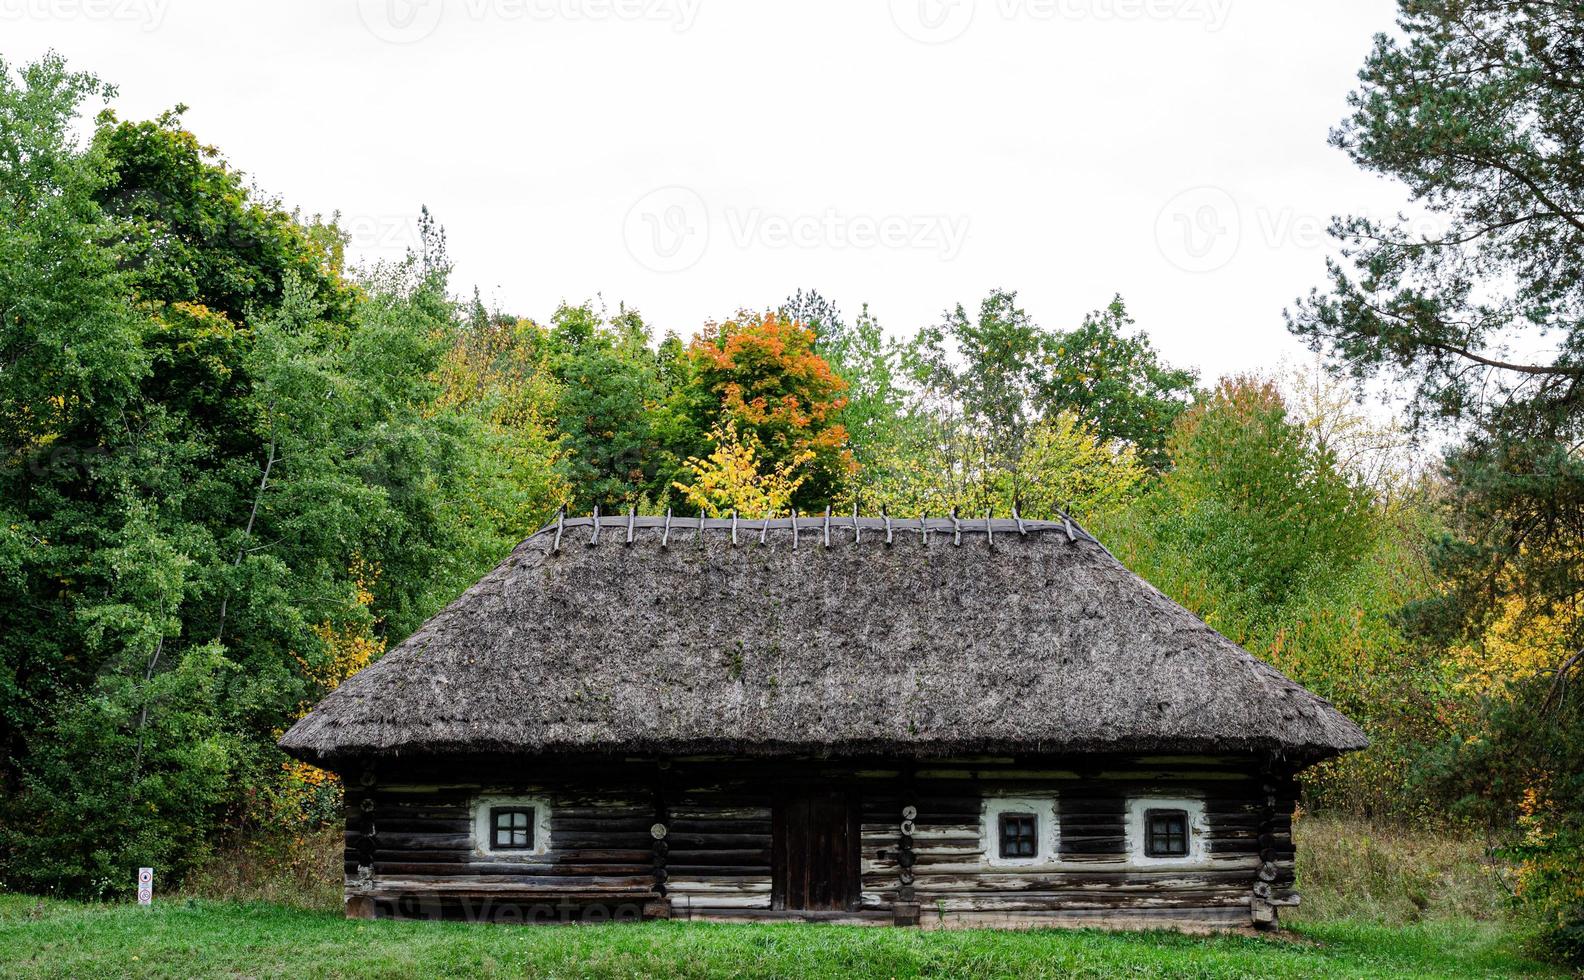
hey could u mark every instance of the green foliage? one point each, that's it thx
(875, 414)
(985, 374)
(498, 381)
(1260, 507)
(104, 792)
(1516, 511)
(220, 455)
(622, 436)
(1259, 532)
(1472, 109)
(1116, 384)
(988, 383)
(188, 231)
(1063, 468)
(882, 431)
(832, 337)
(68, 346)
(1475, 107)
(1528, 762)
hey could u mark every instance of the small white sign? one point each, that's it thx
(145, 883)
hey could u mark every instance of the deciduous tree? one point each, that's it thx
(760, 373)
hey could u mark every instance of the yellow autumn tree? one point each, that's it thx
(348, 646)
(304, 794)
(1519, 644)
(736, 476)
(1526, 638)
(1067, 466)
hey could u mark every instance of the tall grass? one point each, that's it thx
(1351, 869)
(301, 871)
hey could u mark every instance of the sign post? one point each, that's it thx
(145, 883)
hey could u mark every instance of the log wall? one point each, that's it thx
(411, 853)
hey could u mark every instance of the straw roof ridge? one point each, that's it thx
(825, 635)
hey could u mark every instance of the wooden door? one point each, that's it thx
(816, 852)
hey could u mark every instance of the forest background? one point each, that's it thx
(234, 470)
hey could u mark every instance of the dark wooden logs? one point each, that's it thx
(660, 832)
(693, 837)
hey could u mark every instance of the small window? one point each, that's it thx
(1166, 833)
(1019, 835)
(511, 828)
(514, 826)
(1018, 831)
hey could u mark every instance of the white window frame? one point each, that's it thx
(1137, 832)
(483, 835)
(1046, 830)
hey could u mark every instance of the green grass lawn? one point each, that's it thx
(182, 938)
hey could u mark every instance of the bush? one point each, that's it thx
(1521, 771)
(117, 787)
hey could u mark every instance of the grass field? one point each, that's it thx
(1378, 902)
(186, 938)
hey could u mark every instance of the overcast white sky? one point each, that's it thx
(691, 157)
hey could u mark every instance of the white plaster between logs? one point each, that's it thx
(481, 826)
(1198, 830)
(1047, 833)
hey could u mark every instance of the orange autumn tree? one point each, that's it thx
(759, 374)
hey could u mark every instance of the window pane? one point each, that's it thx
(511, 827)
(1166, 833)
(1019, 835)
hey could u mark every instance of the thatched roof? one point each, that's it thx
(836, 638)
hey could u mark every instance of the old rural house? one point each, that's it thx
(940, 722)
